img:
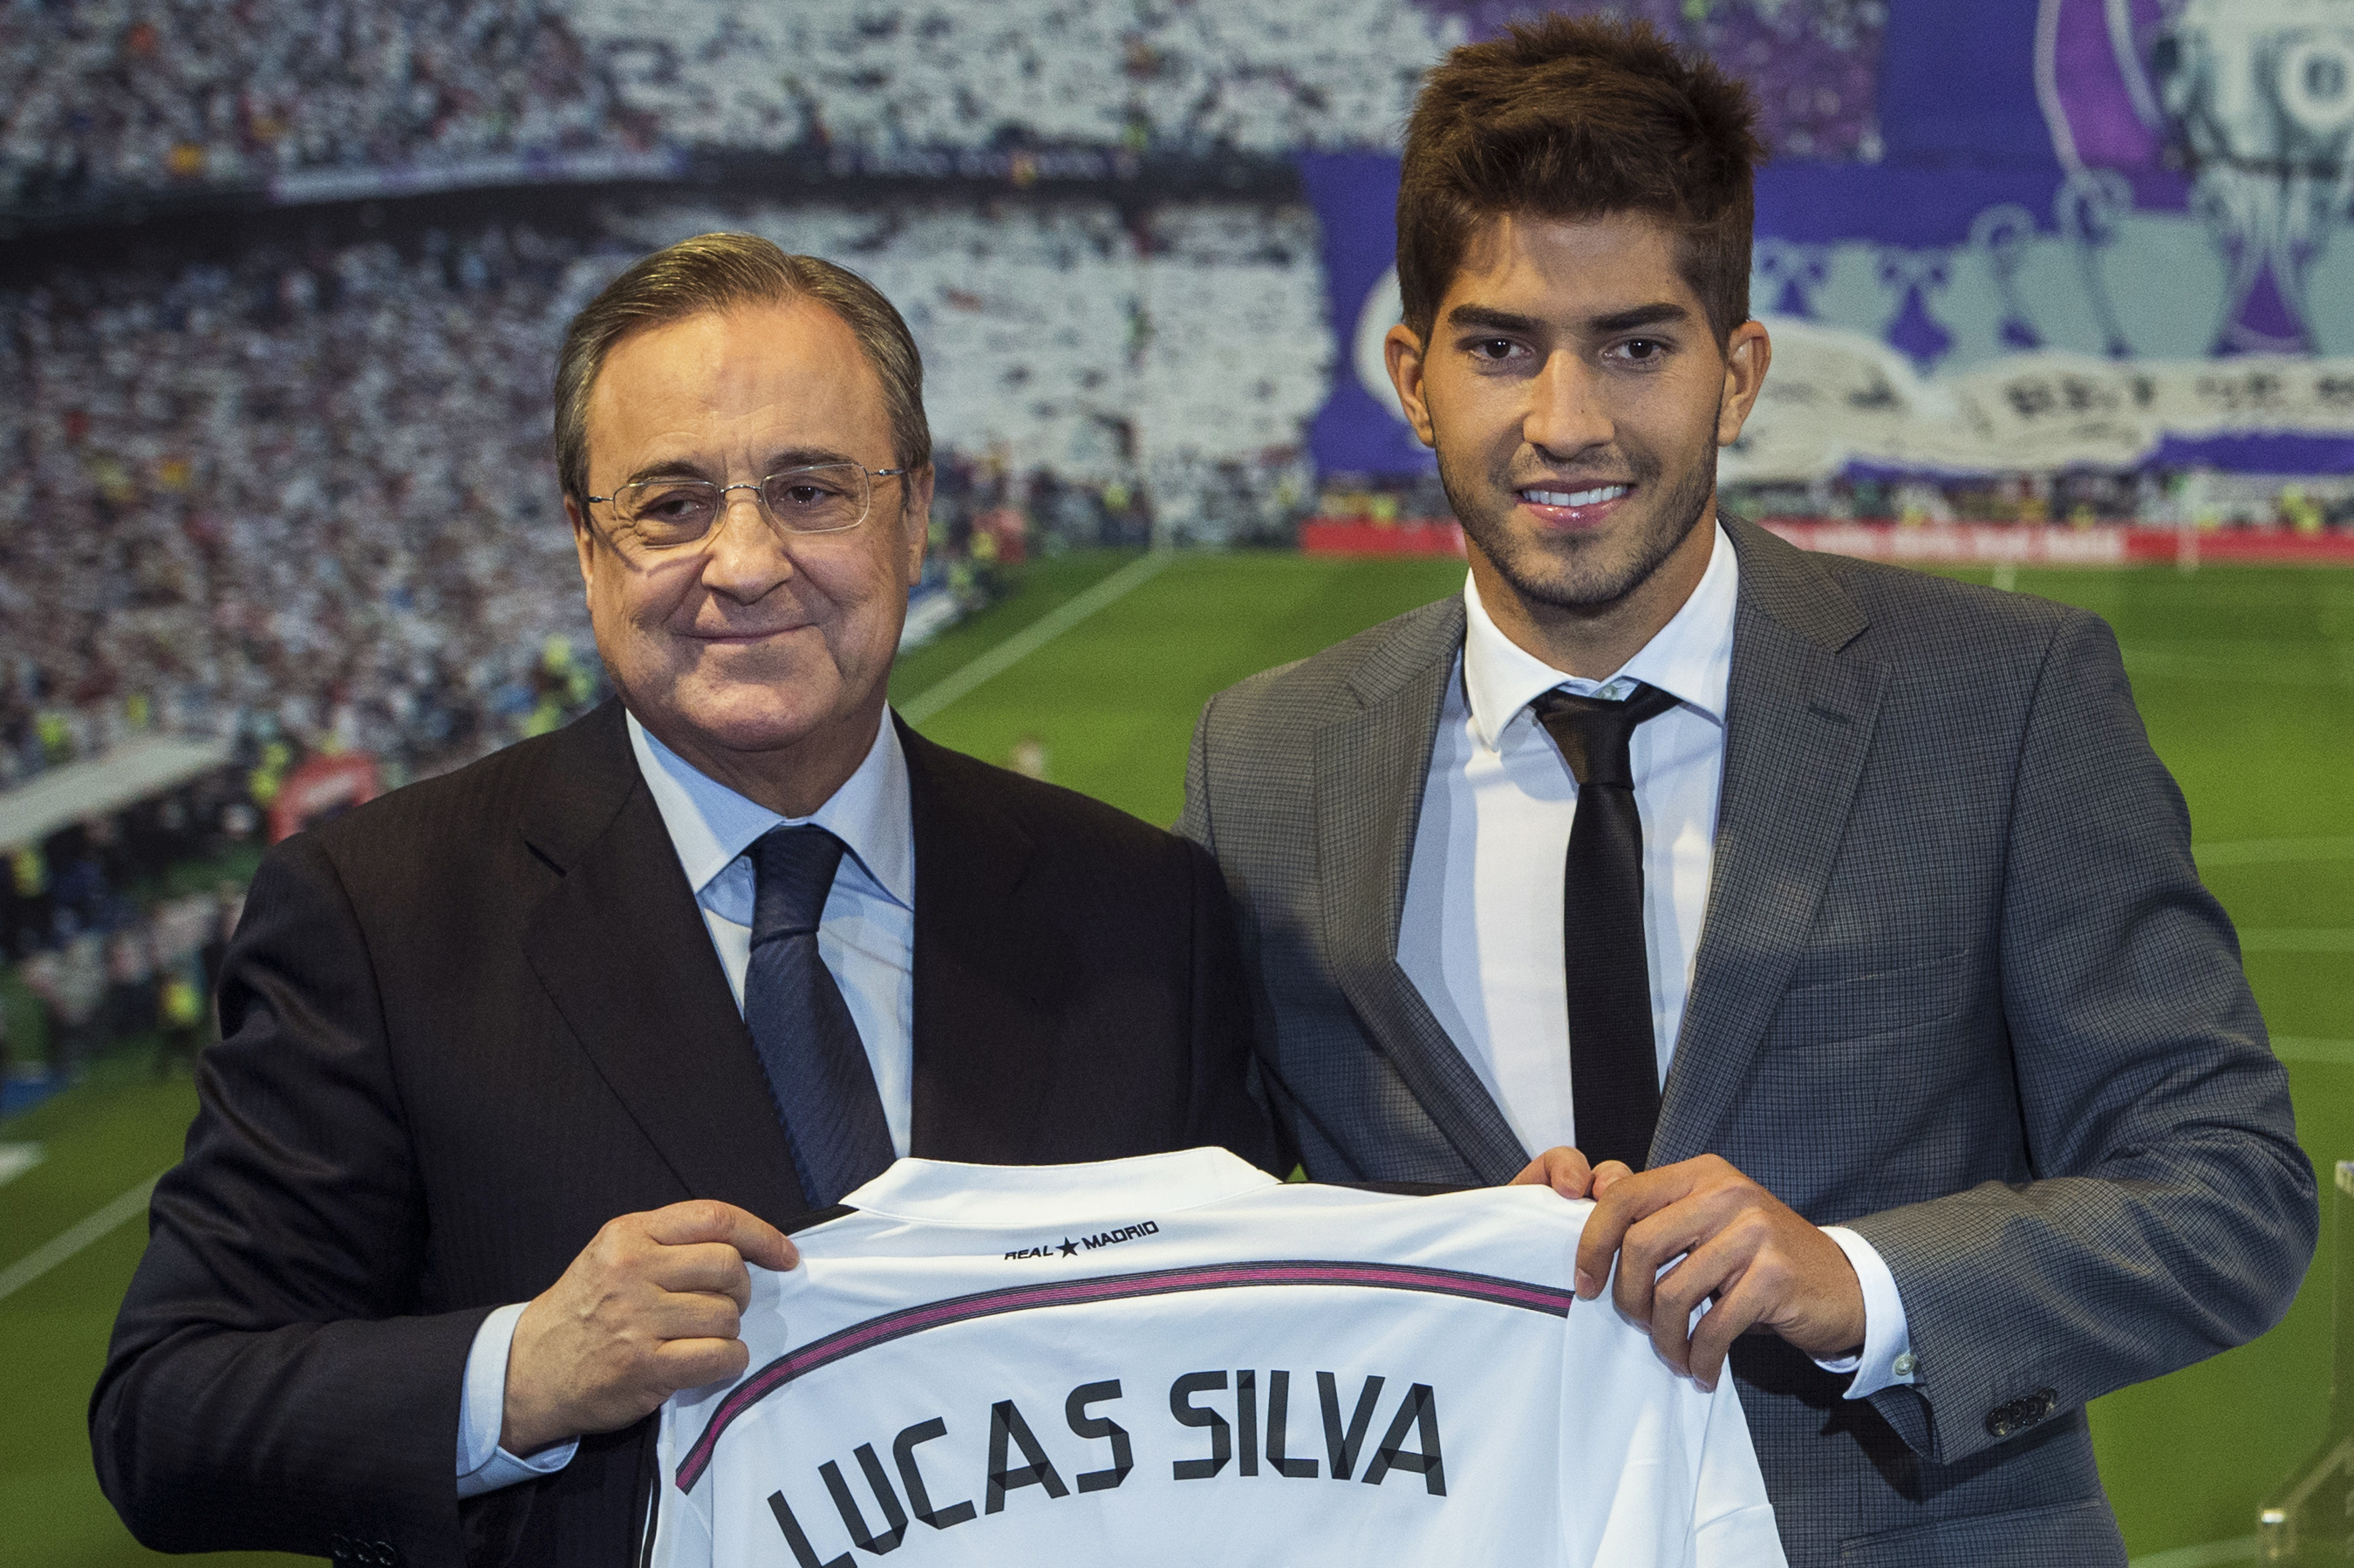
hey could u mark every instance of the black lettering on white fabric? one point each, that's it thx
(798, 1540)
(1340, 1449)
(1222, 1436)
(1418, 1409)
(1278, 1404)
(903, 1449)
(853, 1518)
(1123, 1455)
(1037, 1470)
(1246, 1419)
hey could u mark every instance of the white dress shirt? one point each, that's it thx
(866, 938)
(1482, 934)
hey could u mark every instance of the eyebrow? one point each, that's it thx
(1484, 317)
(776, 462)
(1665, 313)
(1493, 320)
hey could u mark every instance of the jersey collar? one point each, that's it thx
(938, 1191)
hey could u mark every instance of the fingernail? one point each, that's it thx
(1585, 1286)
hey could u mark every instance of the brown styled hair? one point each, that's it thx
(722, 272)
(1572, 119)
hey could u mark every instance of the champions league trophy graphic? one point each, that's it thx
(2250, 101)
(2257, 100)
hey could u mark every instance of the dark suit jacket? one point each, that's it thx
(1958, 987)
(471, 1022)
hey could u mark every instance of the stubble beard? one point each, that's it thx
(1578, 574)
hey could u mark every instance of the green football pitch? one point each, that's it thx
(2243, 674)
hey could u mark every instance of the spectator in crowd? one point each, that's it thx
(69, 981)
(97, 98)
(180, 1014)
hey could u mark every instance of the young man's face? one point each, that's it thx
(1576, 397)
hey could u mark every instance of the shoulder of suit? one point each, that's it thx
(1316, 681)
(1918, 616)
(456, 817)
(1925, 627)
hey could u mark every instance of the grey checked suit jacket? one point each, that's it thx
(1958, 987)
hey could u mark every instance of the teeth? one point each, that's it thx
(1576, 497)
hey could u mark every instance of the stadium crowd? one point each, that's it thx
(308, 498)
(100, 96)
(1203, 77)
(305, 495)
(96, 94)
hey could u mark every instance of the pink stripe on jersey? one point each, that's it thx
(844, 1342)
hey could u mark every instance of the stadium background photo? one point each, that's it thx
(2059, 302)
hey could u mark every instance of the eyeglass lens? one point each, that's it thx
(823, 499)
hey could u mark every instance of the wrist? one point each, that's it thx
(528, 1421)
(1837, 1326)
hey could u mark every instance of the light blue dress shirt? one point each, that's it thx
(866, 937)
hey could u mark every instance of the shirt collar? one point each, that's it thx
(711, 824)
(947, 1194)
(1690, 658)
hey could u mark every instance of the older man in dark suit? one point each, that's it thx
(522, 1066)
(1841, 918)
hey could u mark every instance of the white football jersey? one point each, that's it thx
(1178, 1359)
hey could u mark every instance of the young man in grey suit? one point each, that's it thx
(1834, 925)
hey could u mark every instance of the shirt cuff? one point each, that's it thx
(483, 1465)
(1886, 1359)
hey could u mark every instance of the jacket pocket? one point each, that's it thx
(1819, 1009)
(2081, 1535)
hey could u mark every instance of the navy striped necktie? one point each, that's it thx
(808, 1042)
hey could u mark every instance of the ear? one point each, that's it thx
(584, 541)
(1402, 351)
(1747, 359)
(917, 517)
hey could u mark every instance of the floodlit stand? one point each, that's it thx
(2310, 1519)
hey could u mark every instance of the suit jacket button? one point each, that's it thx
(1999, 1423)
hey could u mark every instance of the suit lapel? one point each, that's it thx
(1371, 765)
(622, 950)
(1799, 724)
(984, 984)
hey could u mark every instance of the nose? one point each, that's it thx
(744, 556)
(1566, 414)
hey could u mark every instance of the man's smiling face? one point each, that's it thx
(1576, 397)
(743, 646)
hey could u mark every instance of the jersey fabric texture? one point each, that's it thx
(1177, 1359)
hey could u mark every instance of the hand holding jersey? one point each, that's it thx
(1699, 1232)
(651, 1306)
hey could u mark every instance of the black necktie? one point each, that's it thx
(1614, 1081)
(808, 1043)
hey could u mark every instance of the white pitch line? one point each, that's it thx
(56, 1250)
(2330, 939)
(2329, 1053)
(2213, 1555)
(15, 1158)
(1033, 637)
(2273, 851)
